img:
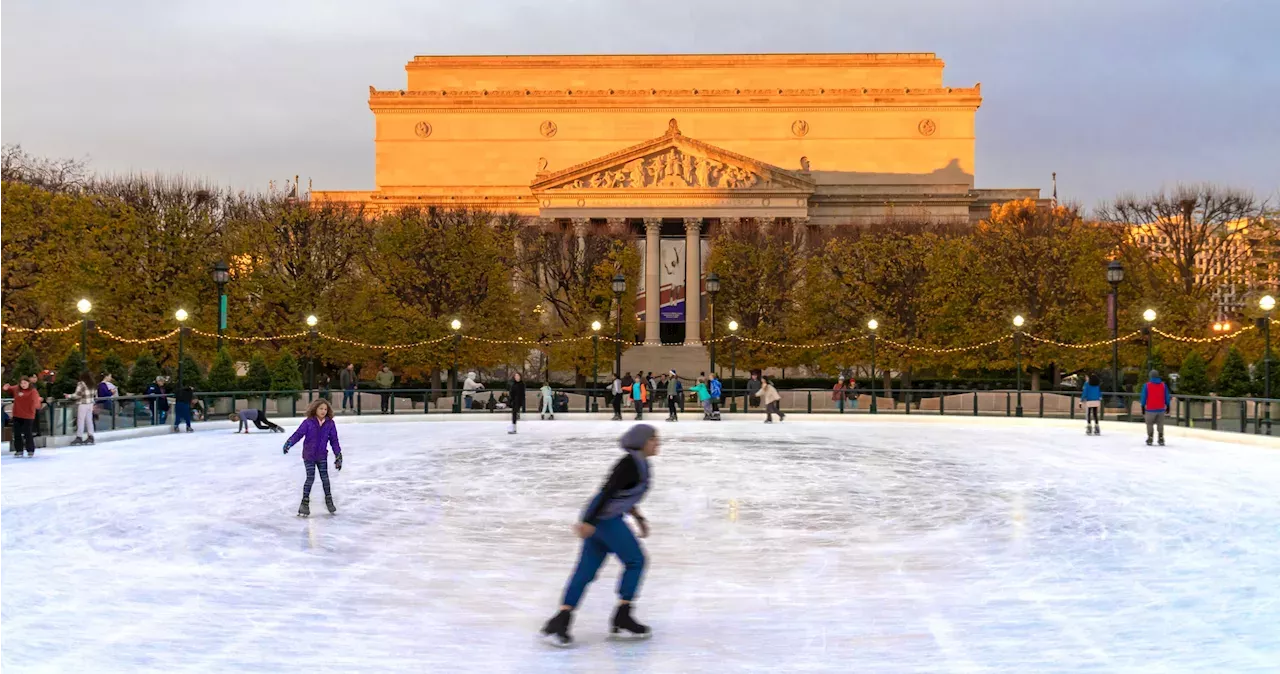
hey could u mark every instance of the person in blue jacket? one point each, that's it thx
(715, 389)
(1091, 398)
(604, 531)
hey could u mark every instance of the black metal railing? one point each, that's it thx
(1243, 415)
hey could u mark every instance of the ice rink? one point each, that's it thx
(852, 546)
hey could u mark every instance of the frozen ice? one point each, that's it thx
(812, 545)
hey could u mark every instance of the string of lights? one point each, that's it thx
(214, 335)
(39, 331)
(1087, 345)
(381, 347)
(814, 345)
(1202, 340)
(953, 349)
(148, 340)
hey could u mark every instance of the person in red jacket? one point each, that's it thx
(1155, 403)
(26, 404)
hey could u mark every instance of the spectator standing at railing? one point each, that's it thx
(85, 394)
(470, 388)
(348, 381)
(386, 379)
(837, 393)
(26, 405)
(324, 382)
(183, 400)
(159, 399)
(106, 391)
(753, 389)
(673, 395)
(653, 389)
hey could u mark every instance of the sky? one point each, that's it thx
(1115, 96)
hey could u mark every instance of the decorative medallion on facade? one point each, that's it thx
(927, 127)
(800, 128)
(422, 129)
(548, 128)
(673, 167)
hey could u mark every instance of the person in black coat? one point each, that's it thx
(517, 401)
(159, 399)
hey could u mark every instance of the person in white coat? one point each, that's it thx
(86, 393)
(469, 389)
(616, 389)
(771, 399)
(547, 397)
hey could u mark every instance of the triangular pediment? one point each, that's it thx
(674, 161)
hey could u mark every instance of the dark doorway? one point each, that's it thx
(672, 333)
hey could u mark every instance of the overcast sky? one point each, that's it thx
(1114, 95)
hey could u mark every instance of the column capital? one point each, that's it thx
(692, 224)
(581, 226)
(653, 225)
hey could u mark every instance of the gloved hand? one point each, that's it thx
(286, 448)
(337, 462)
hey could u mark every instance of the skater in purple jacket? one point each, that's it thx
(317, 432)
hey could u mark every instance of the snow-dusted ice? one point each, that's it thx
(850, 546)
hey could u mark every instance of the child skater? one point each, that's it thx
(603, 531)
(317, 432)
(548, 397)
(1091, 398)
(258, 417)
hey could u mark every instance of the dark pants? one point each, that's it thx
(386, 402)
(617, 404)
(515, 414)
(772, 409)
(652, 395)
(1091, 414)
(159, 414)
(24, 436)
(639, 404)
(671, 407)
(181, 414)
(612, 535)
(262, 423)
(348, 398)
(323, 465)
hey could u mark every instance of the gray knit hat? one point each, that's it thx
(637, 436)
(1153, 374)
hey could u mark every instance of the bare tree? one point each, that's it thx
(55, 175)
(1195, 236)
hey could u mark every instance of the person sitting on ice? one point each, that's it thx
(470, 388)
(604, 531)
(258, 417)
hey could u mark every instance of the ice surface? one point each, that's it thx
(804, 546)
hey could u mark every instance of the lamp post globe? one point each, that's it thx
(733, 326)
(595, 326)
(1267, 303)
(1149, 315)
(1019, 321)
(181, 315)
(455, 324)
(84, 306)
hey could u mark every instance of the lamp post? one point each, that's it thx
(456, 325)
(713, 287)
(595, 362)
(84, 307)
(619, 288)
(181, 315)
(1150, 317)
(1115, 274)
(1267, 303)
(733, 365)
(872, 325)
(1018, 321)
(311, 361)
(221, 274)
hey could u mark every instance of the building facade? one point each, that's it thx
(672, 146)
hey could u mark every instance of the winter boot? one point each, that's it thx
(304, 510)
(556, 631)
(513, 430)
(1096, 430)
(328, 503)
(624, 626)
(1088, 430)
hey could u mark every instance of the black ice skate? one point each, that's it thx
(1148, 442)
(1088, 430)
(556, 631)
(89, 441)
(1096, 430)
(304, 510)
(552, 418)
(328, 503)
(1161, 442)
(77, 441)
(625, 627)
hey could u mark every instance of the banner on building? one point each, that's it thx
(671, 277)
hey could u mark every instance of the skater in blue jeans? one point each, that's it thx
(604, 531)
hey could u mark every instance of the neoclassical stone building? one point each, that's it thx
(672, 146)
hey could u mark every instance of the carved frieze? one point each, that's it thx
(673, 167)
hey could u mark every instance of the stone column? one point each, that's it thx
(692, 282)
(800, 234)
(652, 281)
(765, 225)
(580, 228)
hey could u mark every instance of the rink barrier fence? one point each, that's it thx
(1240, 414)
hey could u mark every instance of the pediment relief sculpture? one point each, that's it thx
(673, 167)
